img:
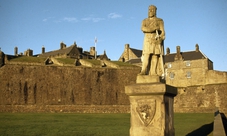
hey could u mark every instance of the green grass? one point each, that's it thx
(193, 124)
(72, 124)
(123, 64)
(66, 60)
(93, 61)
(28, 59)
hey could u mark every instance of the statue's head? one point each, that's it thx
(152, 11)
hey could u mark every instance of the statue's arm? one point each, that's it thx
(144, 27)
(162, 35)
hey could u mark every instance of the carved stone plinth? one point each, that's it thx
(147, 79)
(151, 108)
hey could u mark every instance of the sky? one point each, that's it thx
(31, 24)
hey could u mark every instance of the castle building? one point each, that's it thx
(28, 52)
(131, 55)
(65, 52)
(182, 69)
(72, 51)
(186, 68)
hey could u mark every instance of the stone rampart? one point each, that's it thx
(216, 77)
(48, 88)
(60, 85)
(66, 108)
(201, 98)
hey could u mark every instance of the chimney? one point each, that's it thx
(92, 51)
(197, 48)
(178, 56)
(126, 56)
(62, 45)
(16, 51)
(75, 43)
(167, 51)
(127, 46)
(28, 52)
(43, 50)
(178, 49)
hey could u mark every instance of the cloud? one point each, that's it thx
(74, 20)
(97, 19)
(47, 19)
(114, 15)
(93, 19)
(70, 19)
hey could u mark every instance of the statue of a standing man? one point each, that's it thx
(154, 35)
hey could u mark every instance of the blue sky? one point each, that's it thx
(36, 23)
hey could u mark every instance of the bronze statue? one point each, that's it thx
(154, 35)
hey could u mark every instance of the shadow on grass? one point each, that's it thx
(202, 131)
(224, 121)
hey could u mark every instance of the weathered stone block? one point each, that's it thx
(151, 109)
(147, 79)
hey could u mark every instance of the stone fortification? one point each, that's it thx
(43, 88)
(40, 86)
(201, 98)
(216, 77)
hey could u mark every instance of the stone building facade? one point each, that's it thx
(130, 54)
(182, 69)
(192, 68)
(187, 68)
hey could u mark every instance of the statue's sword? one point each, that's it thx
(157, 37)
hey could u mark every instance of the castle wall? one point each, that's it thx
(52, 85)
(216, 77)
(40, 88)
(201, 98)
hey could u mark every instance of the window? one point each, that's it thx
(188, 63)
(171, 75)
(169, 65)
(188, 74)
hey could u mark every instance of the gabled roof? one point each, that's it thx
(60, 51)
(137, 52)
(190, 55)
(102, 56)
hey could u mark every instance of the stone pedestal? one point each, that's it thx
(151, 107)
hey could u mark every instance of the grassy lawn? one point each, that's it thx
(28, 59)
(72, 124)
(123, 64)
(193, 124)
(66, 60)
(93, 61)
